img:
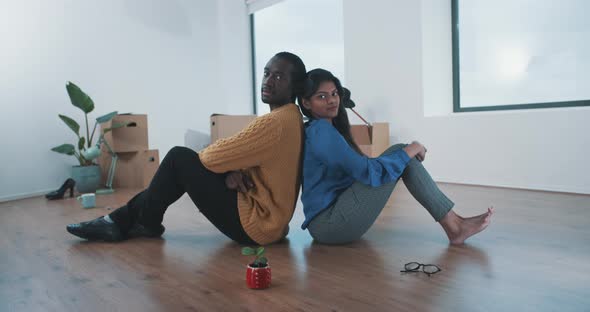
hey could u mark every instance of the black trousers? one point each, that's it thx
(181, 172)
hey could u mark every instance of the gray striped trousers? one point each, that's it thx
(357, 208)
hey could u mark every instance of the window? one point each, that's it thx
(309, 28)
(515, 54)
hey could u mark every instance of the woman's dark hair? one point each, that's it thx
(312, 84)
(297, 74)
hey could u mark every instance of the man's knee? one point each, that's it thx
(180, 152)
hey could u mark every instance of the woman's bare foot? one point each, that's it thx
(458, 229)
(483, 215)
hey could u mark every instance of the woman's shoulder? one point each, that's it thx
(320, 130)
(317, 124)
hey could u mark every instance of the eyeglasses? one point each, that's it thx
(426, 268)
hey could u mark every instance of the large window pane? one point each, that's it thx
(309, 28)
(514, 52)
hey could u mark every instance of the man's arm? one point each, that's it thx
(248, 148)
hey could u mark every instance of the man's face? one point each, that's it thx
(276, 82)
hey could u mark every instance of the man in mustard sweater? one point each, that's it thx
(246, 185)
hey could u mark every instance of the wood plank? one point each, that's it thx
(535, 256)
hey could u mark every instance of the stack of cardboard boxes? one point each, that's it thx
(372, 140)
(136, 164)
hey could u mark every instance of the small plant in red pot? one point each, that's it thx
(258, 272)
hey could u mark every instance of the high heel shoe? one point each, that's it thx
(59, 193)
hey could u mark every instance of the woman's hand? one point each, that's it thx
(236, 180)
(422, 152)
(416, 149)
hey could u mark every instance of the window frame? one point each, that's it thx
(253, 65)
(456, 79)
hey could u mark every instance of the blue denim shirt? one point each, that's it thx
(330, 166)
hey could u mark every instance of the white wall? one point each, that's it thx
(176, 60)
(398, 66)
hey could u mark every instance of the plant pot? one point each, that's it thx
(258, 278)
(87, 178)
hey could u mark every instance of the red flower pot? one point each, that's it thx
(258, 278)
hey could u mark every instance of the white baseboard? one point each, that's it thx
(24, 195)
(547, 188)
(544, 188)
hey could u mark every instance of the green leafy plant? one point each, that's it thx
(84, 103)
(260, 261)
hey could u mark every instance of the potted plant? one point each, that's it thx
(87, 173)
(258, 273)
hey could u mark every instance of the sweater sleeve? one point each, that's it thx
(248, 148)
(329, 147)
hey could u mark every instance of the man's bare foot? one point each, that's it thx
(458, 229)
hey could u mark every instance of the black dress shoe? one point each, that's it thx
(59, 193)
(97, 229)
(138, 230)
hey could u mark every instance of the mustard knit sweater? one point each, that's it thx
(269, 151)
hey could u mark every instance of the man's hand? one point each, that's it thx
(236, 180)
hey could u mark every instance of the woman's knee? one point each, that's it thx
(394, 148)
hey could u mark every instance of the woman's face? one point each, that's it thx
(324, 103)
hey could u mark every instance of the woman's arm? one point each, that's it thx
(329, 147)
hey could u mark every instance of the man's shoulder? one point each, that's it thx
(287, 111)
(287, 117)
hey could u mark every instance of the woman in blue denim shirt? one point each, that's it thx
(344, 191)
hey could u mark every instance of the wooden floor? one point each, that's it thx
(535, 256)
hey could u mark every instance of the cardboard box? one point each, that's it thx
(371, 140)
(133, 170)
(133, 138)
(223, 126)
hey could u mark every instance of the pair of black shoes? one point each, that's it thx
(100, 229)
